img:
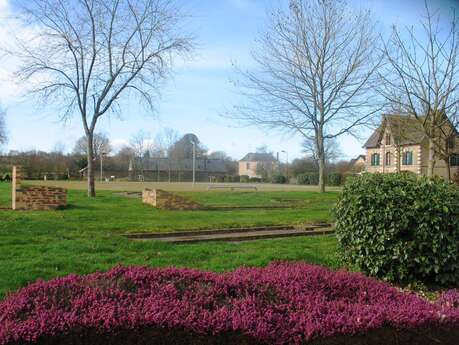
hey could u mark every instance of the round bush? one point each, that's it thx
(334, 179)
(281, 179)
(308, 178)
(283, 303)
(401, 227)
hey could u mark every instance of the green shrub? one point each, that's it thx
(236, 178)
(334, 179)
(244, 178)
(279, 179)
(228, 178)
(310, 178)
(400, 227)
(255, 179)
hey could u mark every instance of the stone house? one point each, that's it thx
(358, 163)
(253, 164)
(400, 144)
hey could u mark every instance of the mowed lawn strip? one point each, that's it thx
(86, 236)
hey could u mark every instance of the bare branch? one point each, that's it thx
(85, 55)
(317, 65)
(421, 79)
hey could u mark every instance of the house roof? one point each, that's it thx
(405, 130)
(355, 160)
(258, 157)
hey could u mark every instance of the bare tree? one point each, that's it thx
(141, 145)
(86, 55)
(332, 150)
(183, 148)
(422, 79)
(3, 137)
(317, 64)
(101, 145)
(166, 139)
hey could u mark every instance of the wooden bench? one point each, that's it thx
(232, 187)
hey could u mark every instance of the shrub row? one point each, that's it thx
(401, 227)
(247, 179)
(283, 303)
(312, 178)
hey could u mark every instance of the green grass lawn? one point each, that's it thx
(86, 236)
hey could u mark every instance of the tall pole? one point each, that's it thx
(194, 162)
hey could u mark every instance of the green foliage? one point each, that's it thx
(228, 178)
(310, 178)
(334, 179)
(236, 178)
(219, 179)
(255, 179)
(5, 177)
(244, 178)
(401, 227)
(281, 179)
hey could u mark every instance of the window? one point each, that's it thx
(388, 158)
(454, 160)
(387, 139)
(375, 159)
(451, 141)
(247, 166)
(407, 158)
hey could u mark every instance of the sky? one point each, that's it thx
(199, 92)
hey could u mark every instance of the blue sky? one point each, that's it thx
(199, 92)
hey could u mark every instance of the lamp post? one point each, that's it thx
(286, 153)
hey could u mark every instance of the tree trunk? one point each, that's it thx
(321, 160)
(322, 174)
(90, 156)
(431, 163)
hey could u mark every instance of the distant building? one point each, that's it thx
(255, 164)
(400, 144)
(358, 163)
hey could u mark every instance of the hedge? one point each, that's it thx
(312, 178)
(283, 303)
(308, 179)
(244, 178)
(280, 179)
(401, 227)
(334, 179)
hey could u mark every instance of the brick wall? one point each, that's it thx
(168, 201)
(36, 197)
(395, 159)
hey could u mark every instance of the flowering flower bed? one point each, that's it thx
(284, 303)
